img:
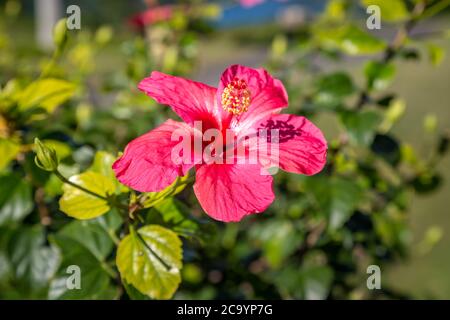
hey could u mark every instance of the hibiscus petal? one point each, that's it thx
(147, 164)
(268, 95)
(191, 100)
(302, 146)
(228, 192)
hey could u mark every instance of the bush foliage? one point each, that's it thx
(63, 123)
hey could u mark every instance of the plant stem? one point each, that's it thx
(435, 9)
(108, 269)
(114, 237)
(65, 180)
(111, 200)
(394, 47)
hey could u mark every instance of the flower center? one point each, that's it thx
(236, 97)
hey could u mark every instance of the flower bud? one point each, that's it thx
(46, 158)
(60, 34)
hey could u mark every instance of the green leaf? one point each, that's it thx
(153, 198)
(392, 114)
(307, 282)
(332, 88)
(175, 212)
(15, 199)
(87, 244)
(279, 46)
(336, 9)
(279, 240)
(54, 186)
(95, 277)
(350, 40)
(133, 293)
(361, 126)
(150, 259)
(378, 75)
(390, 10)
(33, 262)
(110, 222)
(8, 150)
(102, 164)
(177, 216)
(7, 94)
(316, 282)
(46, 93)
(91, 235)
(436, 54)
(391, 228)
(344, 197)
(81, 205)
(335, 197)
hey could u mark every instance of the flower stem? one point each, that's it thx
(65, 180)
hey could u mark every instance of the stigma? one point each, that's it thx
(236, 97)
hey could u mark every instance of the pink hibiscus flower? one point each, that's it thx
(152, 15)
(246, 100)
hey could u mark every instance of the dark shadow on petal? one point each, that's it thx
(286, 130)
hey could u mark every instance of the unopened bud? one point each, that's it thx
(46, 158)
(60, 34)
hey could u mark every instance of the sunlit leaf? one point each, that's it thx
(153, 198)
(436, 54)
(8, 151)
(46, 93)
(102, 164)
(336, 9)
(150, 259)
(177, 216)
(350, 39)
(81, 205)
(392, 114)
(54, 186)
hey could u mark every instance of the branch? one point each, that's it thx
(394, 47)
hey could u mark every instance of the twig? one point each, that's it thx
(394, 47)
(65, 180)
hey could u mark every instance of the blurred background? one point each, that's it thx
(121, 42)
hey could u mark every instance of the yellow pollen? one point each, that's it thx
(236, 97)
